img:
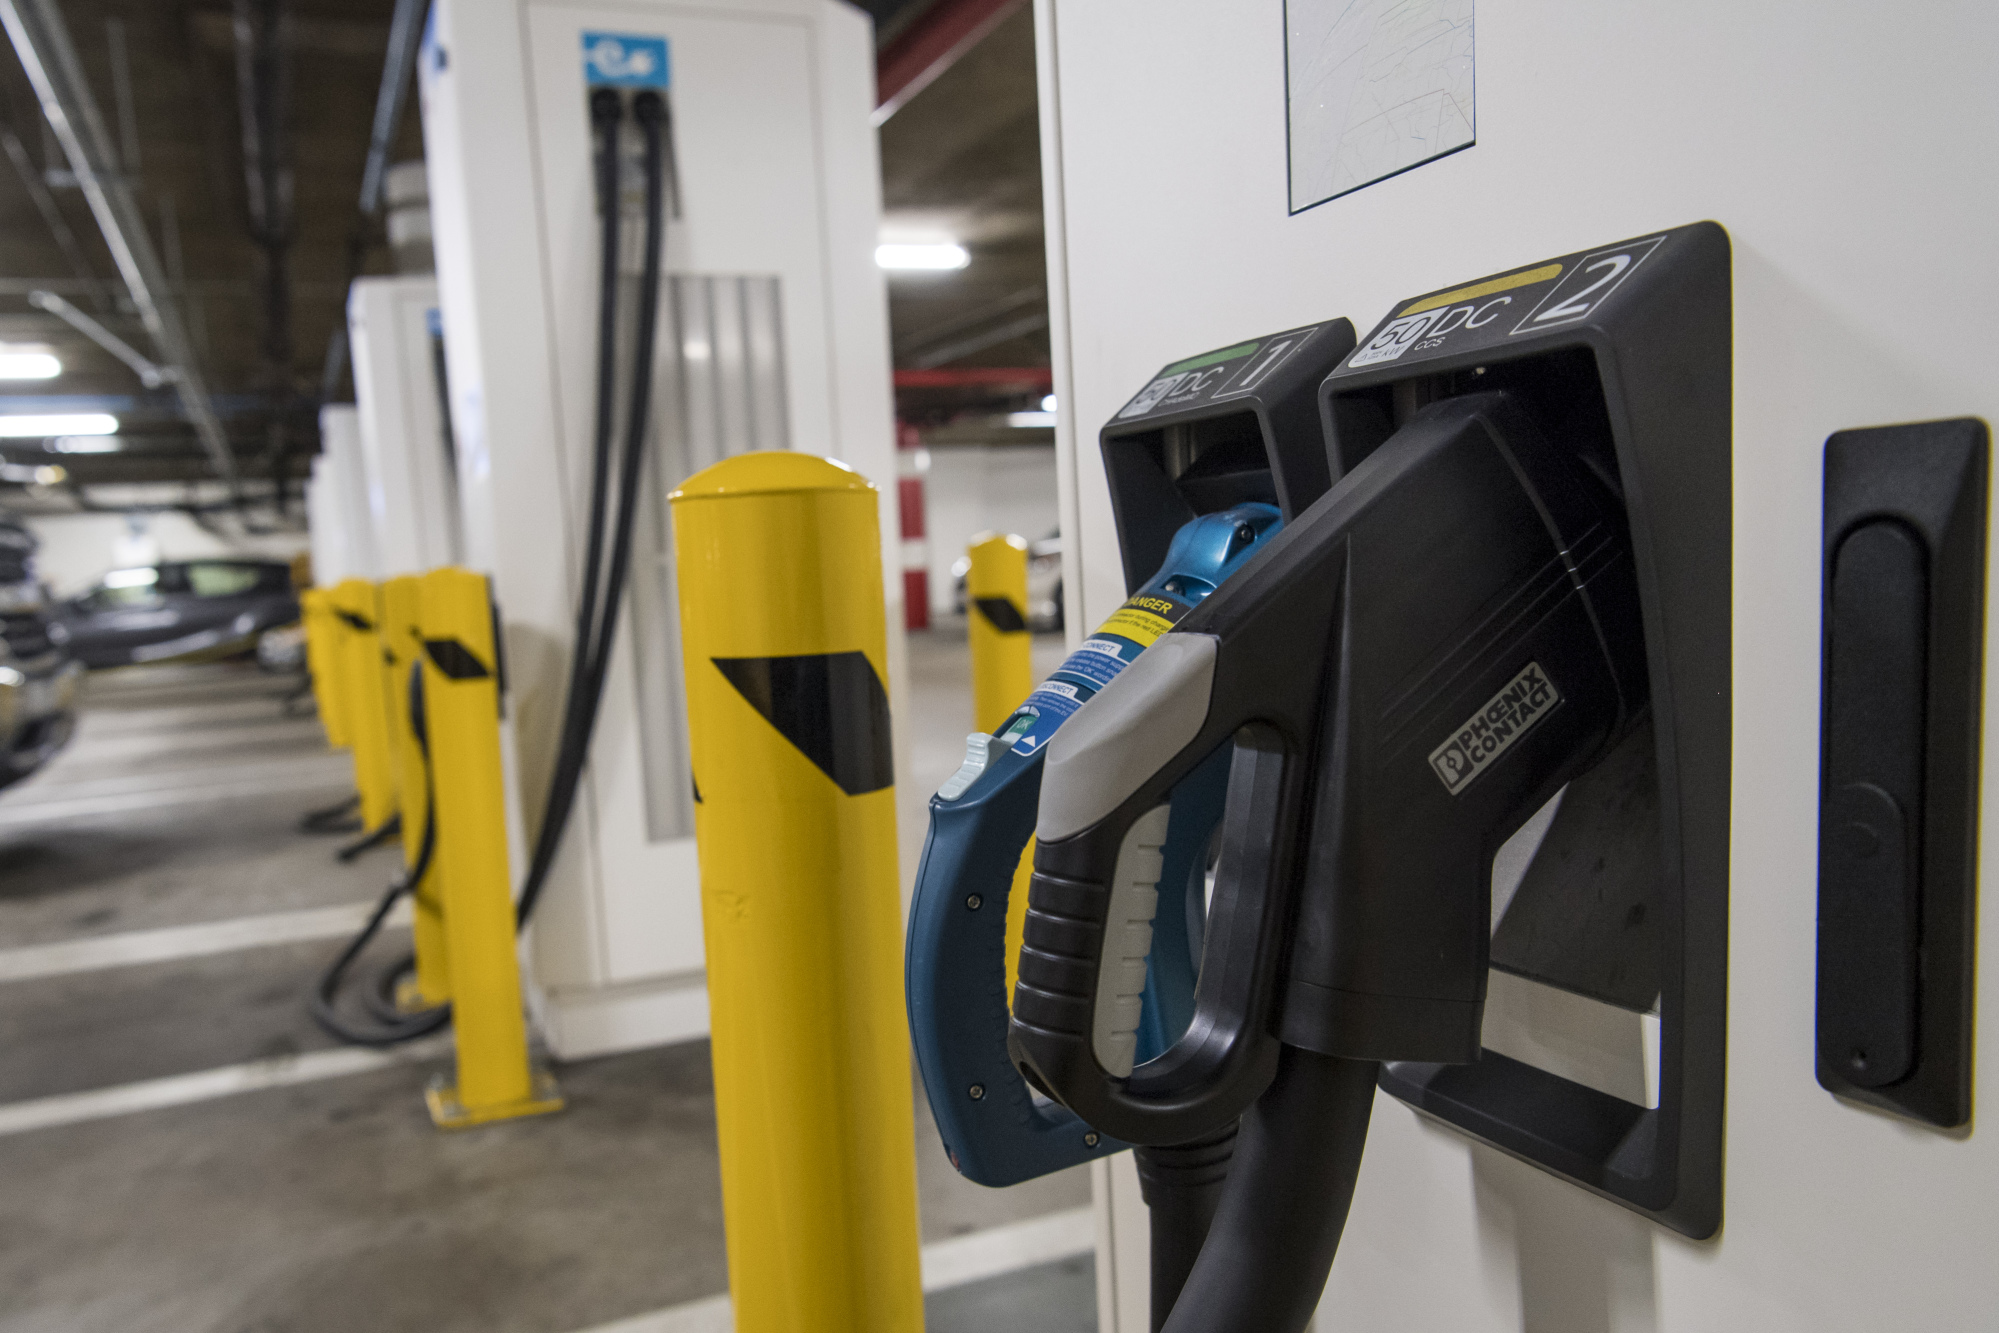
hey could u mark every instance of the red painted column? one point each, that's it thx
(911, 462)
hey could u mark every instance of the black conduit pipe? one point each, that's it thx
(1272, 1242)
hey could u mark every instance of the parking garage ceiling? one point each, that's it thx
(242, 129)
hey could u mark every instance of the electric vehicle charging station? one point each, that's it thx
(1853, 224)
(345, 543)
(771, 335)
(395, 335)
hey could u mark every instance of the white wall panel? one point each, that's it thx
(1850, 150)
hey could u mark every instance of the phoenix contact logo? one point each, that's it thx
(1492, 730)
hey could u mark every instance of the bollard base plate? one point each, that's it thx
(447, 1112)
(410, 998)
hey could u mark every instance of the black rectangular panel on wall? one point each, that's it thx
(1904, 629)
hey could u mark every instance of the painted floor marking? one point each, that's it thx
(169, 943)
(946, 1263)
(319, 776)
(181, 1089)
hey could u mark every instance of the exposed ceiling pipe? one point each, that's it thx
(917, 55)
(45, 204)
(263, 99)
(263, 96)
(398, 72)
(915, 343)
(1018, 327)
(398, 69)
(151, 375)
(49, 59)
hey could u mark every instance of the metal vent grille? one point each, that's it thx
(720, 389)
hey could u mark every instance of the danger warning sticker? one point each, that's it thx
(1143, 619)
(1132, 629)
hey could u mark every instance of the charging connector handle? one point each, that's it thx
(1428, 654)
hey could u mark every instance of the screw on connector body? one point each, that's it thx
(1091, 1139)
(974, 901)
(978, 1092)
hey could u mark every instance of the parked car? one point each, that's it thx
(179, 609)
(37, 675)
(1044, 583)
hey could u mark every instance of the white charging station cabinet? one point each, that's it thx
(395, 334)
(773, 334)
(344, 542)
(1848, 150)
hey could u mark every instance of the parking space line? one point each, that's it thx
(320, 777)
(61, 786)
(169, 943)
(993, 1252)
(181, 1089)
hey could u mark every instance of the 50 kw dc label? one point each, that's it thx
(1490, 732)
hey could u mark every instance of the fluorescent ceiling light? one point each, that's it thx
(25, 427)
(28, 365)
(85, 444)
(932, 256)
(1030, 418)
(132, 578)
(1048, 403)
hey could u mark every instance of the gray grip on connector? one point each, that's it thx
(1124, 735)
(1128, 943)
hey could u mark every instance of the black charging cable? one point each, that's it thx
(1297, 1157)
(603, 580)
(369, 841)
(340, 818)
(597, 617)
(393, 1026)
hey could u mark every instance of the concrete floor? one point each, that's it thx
(333, 1204)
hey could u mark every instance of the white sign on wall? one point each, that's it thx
(1374, 87)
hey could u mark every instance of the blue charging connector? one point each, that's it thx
(996, 1130)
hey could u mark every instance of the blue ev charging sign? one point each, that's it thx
(624, 60)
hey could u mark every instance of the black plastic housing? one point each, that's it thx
(1238, 423)
(1622, 355)
(1408, 671)
(1904, 631)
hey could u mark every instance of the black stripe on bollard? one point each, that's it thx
(454, 659)
(830, 705)
(1001, 614)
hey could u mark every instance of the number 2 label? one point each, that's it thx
(1588, 285)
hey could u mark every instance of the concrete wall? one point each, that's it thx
(977, 488)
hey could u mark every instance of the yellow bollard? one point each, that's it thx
(1002, 676)
(785, 645)
(357, 603)
(1002, 649)
(323, 638)
(461, 704)
(402, 650)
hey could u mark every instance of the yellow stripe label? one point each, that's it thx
(1526, 278)
(1141, 627)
